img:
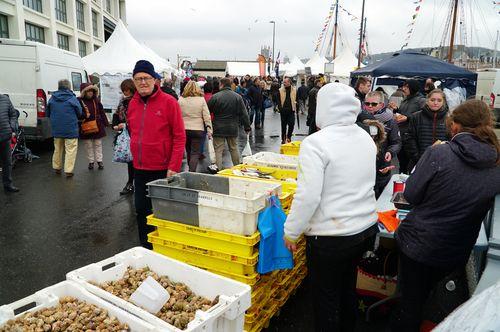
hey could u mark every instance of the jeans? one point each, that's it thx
(143, 206)
(332, 263)
(255, 112)
(68, 146)
(287, 124)
(232, 143)
(6, 163)
(193, 147)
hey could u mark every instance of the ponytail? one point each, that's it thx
(476, 118)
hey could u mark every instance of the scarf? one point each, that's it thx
(384, 115)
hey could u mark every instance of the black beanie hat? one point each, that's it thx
(144, 66)
(413, 86)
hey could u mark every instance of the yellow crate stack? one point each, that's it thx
(291, 148)
(236, 256)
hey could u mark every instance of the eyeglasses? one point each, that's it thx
(371, 104)
(142, 79)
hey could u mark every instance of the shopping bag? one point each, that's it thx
(273, 255)
(247, 151)
(121, 150)
(212, 168)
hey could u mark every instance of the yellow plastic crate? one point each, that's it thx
(291, 148)
(205, 238)
(204, 258)
(250, 280)
(279, 175)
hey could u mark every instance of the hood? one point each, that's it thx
(336, 105)
(473, 151)
(63, 95)
(413, 86)
(84, 87)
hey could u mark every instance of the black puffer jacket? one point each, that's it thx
(451, 190)
(229, 111)
(311, 107)
(411, 104)
(425, 128)
(8, 118)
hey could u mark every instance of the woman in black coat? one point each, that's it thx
(427, 126)
(452, 188)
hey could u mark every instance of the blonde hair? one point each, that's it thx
(437, 91)
(192, 89)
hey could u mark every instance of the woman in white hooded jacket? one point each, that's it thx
(334, 205)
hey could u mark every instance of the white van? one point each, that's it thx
(29, 75)
(488, 89)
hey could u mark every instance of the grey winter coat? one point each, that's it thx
(228, 112)
(451, 190)
(8, 118)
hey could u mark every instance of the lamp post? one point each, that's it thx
(274, 37)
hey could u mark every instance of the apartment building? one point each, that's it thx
(80, 26)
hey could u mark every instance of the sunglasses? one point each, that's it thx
(371, 104)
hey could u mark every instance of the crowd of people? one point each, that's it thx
(355, 137)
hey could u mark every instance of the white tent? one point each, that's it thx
(344, 63)
(293, 67)
(120, 53)
(242, 68)
(317, 64)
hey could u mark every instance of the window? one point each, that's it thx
(82, 48)
(4, 26)
(96, 47)
(61, 11)
(108, 6)
(95, 28)
(62, 41)
(34, 33)
(33, 4)
(80, 17)
(76, 80)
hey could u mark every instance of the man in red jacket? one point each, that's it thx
(157, 139)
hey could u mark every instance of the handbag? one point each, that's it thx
(90, 126)
(121, 150)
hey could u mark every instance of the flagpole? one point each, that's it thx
(335, 31)
(361, 33)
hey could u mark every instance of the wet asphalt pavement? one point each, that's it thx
(55, 225)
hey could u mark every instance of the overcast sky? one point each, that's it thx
(235, 29)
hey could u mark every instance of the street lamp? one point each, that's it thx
(274, 36)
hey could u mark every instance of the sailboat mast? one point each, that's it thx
(361, 33)
(453, 25)
(335, 30)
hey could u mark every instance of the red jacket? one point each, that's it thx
(157, 135)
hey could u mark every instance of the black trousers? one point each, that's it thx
(143, 206)
(416, 283)
(130, 169)
(404, 160)
(6, 163)
(332, 263)
(287, 124)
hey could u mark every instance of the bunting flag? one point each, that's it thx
(327, 22)
(411, 25)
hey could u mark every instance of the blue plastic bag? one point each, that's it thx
(121, 150)
(273, 255)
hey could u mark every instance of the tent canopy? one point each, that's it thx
(294, 67)
(120, 53)
(345, 63)
(415, 65)
(243, 68)
(317, 64)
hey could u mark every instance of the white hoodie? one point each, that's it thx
(337, 167)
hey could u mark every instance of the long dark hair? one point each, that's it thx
(476, 118)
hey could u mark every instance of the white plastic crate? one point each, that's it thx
(218, 203)
(271, 159)
(226, 316)
(49, 297)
